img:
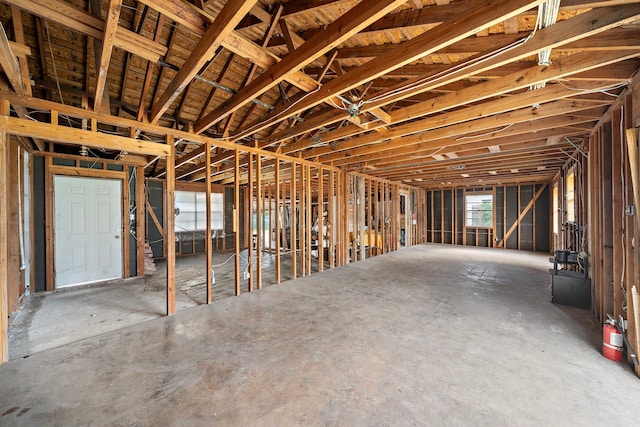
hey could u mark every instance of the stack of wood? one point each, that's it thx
(149, 264)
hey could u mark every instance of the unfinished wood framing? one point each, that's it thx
(208, 246)
(259, 212)
(362, 128)
(169, 231)
(236, 221)
(4, 305)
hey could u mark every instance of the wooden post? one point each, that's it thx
(170, 234)
(48, 224)
(4, 309)
(302, 230)
(278, 204)
(140, 232)
(375, 214)
(125, 222)
(249, 209)
(331, 219)
(395, 216)
(259, 221)
(617, 212)
(293, 229)
(632, 149)
(320, 219)
(207, 244)
(236, 218)
(361, 214)
(383, 222)
(635, 299)
(344, 229)
(337, 226)
(308, 220)
(269, 201)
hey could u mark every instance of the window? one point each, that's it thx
(479, 210)
(192, 214)
(556, 206)
(570, 195)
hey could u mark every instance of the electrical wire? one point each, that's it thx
(603, 91)
(459, 67)
(485, 134)
(53, 61)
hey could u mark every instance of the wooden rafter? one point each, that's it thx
(495, 123)
(20, 40)
(149, 72)
(568, 65)
(571, 30)
(227, 19)
(85, 23)
(110, 29)
(429, 42)
(253, 68)
(349, 24)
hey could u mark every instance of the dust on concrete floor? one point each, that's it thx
(49, 320)
(429, 335)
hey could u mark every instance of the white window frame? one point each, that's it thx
(191, 205)
(468, 221)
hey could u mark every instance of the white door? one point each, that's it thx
(88, 230)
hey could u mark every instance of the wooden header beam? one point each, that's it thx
(55, 133)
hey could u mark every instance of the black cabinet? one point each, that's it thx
(570, 284)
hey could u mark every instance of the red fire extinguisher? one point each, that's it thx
(612, 343)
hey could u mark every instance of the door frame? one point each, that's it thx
(50, 171)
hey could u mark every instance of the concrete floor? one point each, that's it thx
(49, 320)
(429, 335)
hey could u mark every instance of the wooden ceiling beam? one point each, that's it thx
(471, 159)
(198, 21)
(618, 38)
(437, 38)
(10, 64)
(450, 145)
(18, 29)
(442, 137)
(396, 77)
(12, 70)
(67, 135)
(517, 159)
(140, 18)
(558, 69)
(253, 68)
(110, 28)
(64, 14)
(336, 33)
(530, 115)
(471, 95)
(436, 14)
(550, 164)
(583, 25)
(480, 169)
(230, 15)
(579, 27)
(538, 177)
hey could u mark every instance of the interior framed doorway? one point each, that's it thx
(88, 237)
